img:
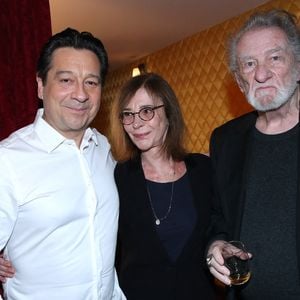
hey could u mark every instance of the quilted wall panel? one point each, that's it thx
(196, 69)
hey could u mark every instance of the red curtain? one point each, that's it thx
(24, 27)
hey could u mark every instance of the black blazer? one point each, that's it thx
(230, 159)
(228, 152)
(145, 271)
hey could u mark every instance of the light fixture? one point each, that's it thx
(140, 69)
(135, 72)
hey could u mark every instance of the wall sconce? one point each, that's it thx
(140, 69)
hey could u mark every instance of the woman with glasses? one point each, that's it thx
(165, 196)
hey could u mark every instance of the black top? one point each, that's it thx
(145, 269)
(175, 197)
(268, 225)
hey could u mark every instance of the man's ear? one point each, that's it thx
(40, 87)
(240, 82)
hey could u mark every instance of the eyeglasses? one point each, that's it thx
(146, 114)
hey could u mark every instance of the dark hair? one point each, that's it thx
(157, 88)
(273, 18)
(75, 39)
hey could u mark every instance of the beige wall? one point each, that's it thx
(196, 69)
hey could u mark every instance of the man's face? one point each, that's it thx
(72, 92)
(268, 72)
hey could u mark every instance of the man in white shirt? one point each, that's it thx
(59, 204)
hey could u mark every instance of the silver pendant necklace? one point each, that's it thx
(157, 219)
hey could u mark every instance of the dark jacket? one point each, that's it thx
(145, 270)
(228, 152)
(230, 160)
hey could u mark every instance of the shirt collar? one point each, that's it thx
(89, 136)
(52, 139)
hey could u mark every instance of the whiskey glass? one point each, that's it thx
(237, 260)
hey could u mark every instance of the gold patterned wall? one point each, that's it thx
(196, 69)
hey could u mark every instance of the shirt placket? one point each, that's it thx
(91, 202)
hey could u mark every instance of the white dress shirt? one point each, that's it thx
(58, 215)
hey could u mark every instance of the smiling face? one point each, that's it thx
(268, 73)
(71, 94)
(146, 135)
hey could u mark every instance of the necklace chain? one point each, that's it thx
(157, 219)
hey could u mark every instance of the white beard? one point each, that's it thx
(282, 97)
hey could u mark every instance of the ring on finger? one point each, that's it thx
(208, 260)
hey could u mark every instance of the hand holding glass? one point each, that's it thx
(236, 260)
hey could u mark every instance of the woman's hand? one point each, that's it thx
(6, 269)
(215, 262)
